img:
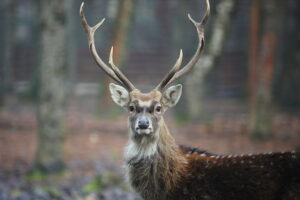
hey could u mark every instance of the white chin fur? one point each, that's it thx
(142, 149)
(139, 151)
(144, 131)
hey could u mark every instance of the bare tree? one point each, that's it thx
(51, 107)
(287, 84)
(72, 19)
(263, 47)
(9, 8)
(212, 52)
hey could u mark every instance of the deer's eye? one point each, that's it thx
(158, 108)
(131, 108)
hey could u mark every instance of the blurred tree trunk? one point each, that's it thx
(213, 50)
(262, 65)
(287, 84)
(51, 107)
(121, 35)
(72, 20)
(9, 9)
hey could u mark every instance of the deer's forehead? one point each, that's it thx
(145, 99)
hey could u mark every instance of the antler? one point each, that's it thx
(112, 70)
(174, 74)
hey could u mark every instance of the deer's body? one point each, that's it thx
(175, 172)
(159, 169)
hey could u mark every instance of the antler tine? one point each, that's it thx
(171, 73)
(200, 31)
(117, 71)
(112, 72)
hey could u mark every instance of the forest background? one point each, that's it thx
(61, 137)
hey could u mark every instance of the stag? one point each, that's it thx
(159, 169)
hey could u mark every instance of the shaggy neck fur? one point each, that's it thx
(155, 165)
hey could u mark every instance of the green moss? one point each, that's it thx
(40, 175)
(94, 185)
(103, 181)
(16, 193)
(53, 192)
(36, 176)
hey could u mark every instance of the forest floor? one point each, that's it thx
(93, 149)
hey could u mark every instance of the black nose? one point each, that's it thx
(143, 123)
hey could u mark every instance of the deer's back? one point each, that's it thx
(274, 176)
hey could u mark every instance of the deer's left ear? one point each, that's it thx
(171, 96)
(119, 94)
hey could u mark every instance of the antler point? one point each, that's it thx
(179, 61)
(81, 6)
(180, 55)
(111, 62)
(192, 20)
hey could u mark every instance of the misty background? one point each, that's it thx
(61, 136)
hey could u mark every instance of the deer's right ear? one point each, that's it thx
(119, 94)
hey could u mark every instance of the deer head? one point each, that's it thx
(145, 109)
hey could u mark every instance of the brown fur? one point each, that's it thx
(256, 177)
(158, 175)
(183, 173)
(177, 174)
(153, 95)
